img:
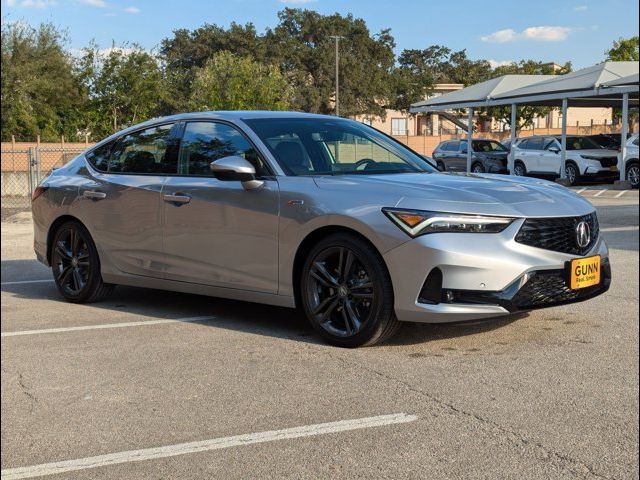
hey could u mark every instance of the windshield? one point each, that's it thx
(318, 146)
(581, 143)
(485, 146)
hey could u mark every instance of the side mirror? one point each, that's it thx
(464, 151)
(430, 161)
(554, 150)
(236, 168)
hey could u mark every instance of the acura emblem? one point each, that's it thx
(583, 234)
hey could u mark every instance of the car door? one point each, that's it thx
(532, 153)
(550, 157)
(120, 199)
(216, 232)
(451, 156)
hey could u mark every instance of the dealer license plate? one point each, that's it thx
(585, 272)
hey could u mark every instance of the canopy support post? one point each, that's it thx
(514, 125)
(623, 136)
(563, 152)
(469, 138)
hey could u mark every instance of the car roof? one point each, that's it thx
(230, 115)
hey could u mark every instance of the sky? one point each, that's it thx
(577, 31)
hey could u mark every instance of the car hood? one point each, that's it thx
(484, 194)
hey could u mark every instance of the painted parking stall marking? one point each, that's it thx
(204, 446)
(26, 282)
(106, 325)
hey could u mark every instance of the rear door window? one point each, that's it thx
(99, 156)
(534, 144)
(149, 151)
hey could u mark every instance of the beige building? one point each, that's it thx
(400, 123)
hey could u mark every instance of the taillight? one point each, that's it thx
(37, 192)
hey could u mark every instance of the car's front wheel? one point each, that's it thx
(477, 168)
(571, 172)
(346, 292)
(76, 266)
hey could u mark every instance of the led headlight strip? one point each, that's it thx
(420, 222)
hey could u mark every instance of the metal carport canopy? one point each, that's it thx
(608, 84)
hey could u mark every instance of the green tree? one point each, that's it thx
(187, 51)
(625, 49)
(124, 86)
(230, 82)
(39, 94)
(302, 46)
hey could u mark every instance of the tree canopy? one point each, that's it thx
(49, 91)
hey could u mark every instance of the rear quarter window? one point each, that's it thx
(99, 157)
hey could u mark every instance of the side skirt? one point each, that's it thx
(199, 289)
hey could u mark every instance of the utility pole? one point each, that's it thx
(337, 41)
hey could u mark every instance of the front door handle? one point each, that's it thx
(94, 194)
(177, 198)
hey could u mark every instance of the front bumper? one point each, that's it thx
(488, 275)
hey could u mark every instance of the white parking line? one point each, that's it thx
(107, 325)
(629, 228)
(621, 193)
(599, 193)
(22, 282)
(203, 446)
(581, 190)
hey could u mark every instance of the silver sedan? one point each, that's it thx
(316, 212)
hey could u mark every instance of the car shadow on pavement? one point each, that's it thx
(235, 315)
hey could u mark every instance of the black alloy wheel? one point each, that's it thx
(347, 293)
(75, 265)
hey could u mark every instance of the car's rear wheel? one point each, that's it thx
(76, 266)
(633, 174)
(347, 293)
(477, 168)
(571, 172)
(519, 169)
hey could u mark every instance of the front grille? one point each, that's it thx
(547, 288)
(608, 161)
(558, 234)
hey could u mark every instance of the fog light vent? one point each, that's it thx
(432, 289)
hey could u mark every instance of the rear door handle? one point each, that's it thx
(176, 198)
(94, 194)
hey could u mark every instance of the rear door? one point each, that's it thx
(218, 233)
(120, 200)
(532, 153)
(450, 153)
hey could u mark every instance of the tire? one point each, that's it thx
(571, 173)
(633, 174)
(76, 266)
(477, 168)
(519, 169)
(346, 292)
(442, 167)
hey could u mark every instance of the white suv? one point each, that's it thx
(585, 158)
(631, 163)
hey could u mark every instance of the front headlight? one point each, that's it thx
(420, 222)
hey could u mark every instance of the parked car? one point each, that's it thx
(311, 211)
(631, 163)
(488, 156)
(507, 143)
(540, 155)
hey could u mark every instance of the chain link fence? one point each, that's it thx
(22, 171)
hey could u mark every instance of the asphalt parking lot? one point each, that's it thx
(152, 384)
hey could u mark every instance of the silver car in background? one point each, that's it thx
(316, 212)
